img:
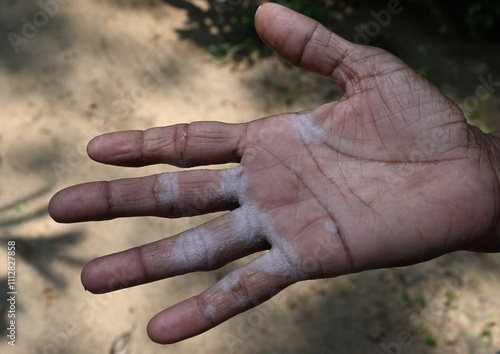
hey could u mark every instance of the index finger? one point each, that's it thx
(183, 145)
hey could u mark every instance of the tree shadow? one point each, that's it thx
(42, 252)
(221, 29)
(42, 46)
(226, 28)
(13, 204)
(32, 37)
(38, 252)
(371, 312)
(450, 56)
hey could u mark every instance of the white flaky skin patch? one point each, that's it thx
(331, 226)
(209, 311)
(231, 183)
(167, 188)
(305, 131)
(199, 248)
(282, 260)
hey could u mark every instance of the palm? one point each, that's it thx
(367, 196)
(388, 175)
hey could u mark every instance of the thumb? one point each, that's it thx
(307, 44)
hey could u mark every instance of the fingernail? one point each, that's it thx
(257, 11)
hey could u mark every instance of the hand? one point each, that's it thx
(389, 175)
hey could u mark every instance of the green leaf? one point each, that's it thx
(21, 206)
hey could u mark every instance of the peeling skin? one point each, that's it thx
(231, 183)
(305, 130)
(282, 260)
(209, 311)
(248, 227)
(331, 226)
(193, 250)
(229, 282)
(167, 188)
(296, 169)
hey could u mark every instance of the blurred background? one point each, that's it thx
(72, 70)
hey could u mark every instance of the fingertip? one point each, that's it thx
(56, 207)
(86, 278)
(305, 43)
(112, 148)
(286, 32)
(264, 8)
(155, 332)
(79, 203)
(96, 279)
(269, 6)
(257, 11)
(94, 146)
(53, 209)
(112, 272)
(264, 18)
(116, 148)
(181, 321)
(159, 332)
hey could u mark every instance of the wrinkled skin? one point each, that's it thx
(391, 174)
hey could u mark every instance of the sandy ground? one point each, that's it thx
(98, 66)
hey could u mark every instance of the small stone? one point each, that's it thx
(121, 344)
(375, 332)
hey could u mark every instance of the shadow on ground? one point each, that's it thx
(37, 252)
(459, 60)
(362, 311)
(370, 312)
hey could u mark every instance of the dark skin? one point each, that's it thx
(389, 175)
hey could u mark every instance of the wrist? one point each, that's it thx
(490, 157)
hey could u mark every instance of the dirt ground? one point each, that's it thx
(90, 67)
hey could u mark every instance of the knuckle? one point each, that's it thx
(180, 139)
